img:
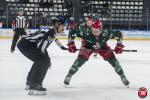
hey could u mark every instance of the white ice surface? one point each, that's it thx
(96, 80)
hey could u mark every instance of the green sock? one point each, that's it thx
(115, 64)
(78, 63)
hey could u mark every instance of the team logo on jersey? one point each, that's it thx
(105, 34)
(87, 32)
(111, 36)
(81, 33)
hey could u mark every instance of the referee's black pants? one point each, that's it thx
(41, 61)
(18, 32)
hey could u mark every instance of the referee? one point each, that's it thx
(34, 47)
(19, 26)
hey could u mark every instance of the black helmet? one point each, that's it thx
(59, 20)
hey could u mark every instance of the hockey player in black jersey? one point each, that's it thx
(34, 47)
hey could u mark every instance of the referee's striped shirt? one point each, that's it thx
(20, 22)
(42, 38)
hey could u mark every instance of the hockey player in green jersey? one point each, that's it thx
(94, 40)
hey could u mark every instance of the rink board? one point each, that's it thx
(127, 35)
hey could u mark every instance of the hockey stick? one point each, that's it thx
(64, 48)
(60, 45)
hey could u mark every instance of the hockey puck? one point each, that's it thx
(142, 92)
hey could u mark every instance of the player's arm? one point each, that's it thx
(26, 23)
(60, 44)
(13, 24)
(73, 33)
(71, 36)
(119, 37)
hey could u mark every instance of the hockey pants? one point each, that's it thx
(41, 61)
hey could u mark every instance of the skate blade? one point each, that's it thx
(66, 86)
(35, 92)
(127, 86)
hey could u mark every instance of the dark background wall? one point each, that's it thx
(120, 14)
(146, 14)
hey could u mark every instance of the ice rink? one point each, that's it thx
(96, 80)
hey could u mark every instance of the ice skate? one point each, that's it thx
(67, 80)
(125, 81)
(37, 89)
(36, 92)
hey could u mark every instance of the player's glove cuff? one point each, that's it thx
(72, 47)
(119, 48)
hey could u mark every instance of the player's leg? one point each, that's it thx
(43, 65)
(22, 32)
(110, 57)
(39, 72)
(116, 65)
(74, 68)
(39, 67)
(83, 56)
(23, 46)
(14, 41)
